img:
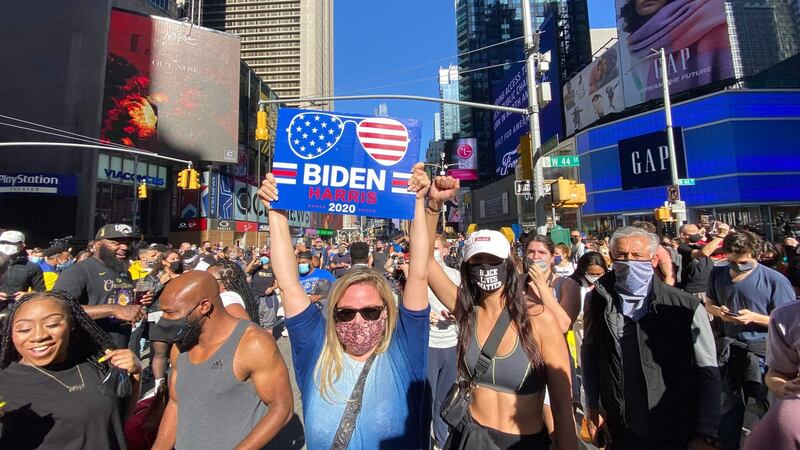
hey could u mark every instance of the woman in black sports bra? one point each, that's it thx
(507, 398)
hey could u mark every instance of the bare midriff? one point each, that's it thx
(506, 412)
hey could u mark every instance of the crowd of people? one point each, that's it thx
(635, 341)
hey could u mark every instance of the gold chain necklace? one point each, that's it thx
(77, 387)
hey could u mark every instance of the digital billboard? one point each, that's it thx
(463, 158)
(594, 92)
(512, 90)
(694, 35)
(171, 87)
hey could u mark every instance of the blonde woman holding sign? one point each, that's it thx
(359, 363)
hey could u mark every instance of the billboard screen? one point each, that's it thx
(644, 160)
(594, 92)
(512, 91)
(694, 34)
(171, 88)
(463, 158)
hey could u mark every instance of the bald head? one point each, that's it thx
(188, 290)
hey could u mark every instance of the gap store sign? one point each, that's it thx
(741, 147)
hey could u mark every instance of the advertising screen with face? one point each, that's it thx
(694, 35)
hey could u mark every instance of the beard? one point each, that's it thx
(109, 259)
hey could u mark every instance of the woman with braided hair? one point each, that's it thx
(237, 297)
(53, 358)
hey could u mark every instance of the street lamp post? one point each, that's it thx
(673, 160)
(531, 57)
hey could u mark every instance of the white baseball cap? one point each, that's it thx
(486, 241)
(12, 236)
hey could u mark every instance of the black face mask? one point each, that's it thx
(695, 237)
(575, 240)
(488, 277)
(176, 266)
(182, 332)
(743, 267)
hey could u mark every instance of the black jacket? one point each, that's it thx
(21, 276)
(678, 357)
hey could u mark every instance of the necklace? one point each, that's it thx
(77, 387)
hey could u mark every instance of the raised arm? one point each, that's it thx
(284, 262)
(442, 189)
(415, 294)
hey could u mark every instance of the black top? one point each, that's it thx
(695, 271)
(41, 413)
(379, 260)
(208, 258)
(262, 279)
(92, 283)
(22, 275)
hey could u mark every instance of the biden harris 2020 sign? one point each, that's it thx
(345, 163)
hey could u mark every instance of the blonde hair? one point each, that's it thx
(329, 366)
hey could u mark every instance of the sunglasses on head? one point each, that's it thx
(348, 314)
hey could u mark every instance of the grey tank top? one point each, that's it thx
(215, 409)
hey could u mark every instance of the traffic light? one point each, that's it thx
(194, 179)
(261, 126)
(142, 190)
(663, 214)
(567, 193)
(183, 179)
(525, 156)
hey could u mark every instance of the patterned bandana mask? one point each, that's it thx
(633, 277)
(359, 338)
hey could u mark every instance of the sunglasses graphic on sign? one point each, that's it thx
(313, 135)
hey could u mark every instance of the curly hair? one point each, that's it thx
(234, 279)
(87, 341)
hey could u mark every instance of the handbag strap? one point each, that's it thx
(348, 423)
(490, 346)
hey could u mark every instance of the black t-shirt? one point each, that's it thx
(41, 413)
(92, 283)
(695, 271)
(379, 260)
(262, 279)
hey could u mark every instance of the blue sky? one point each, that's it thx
(396, 47)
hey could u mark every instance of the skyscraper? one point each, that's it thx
(289, 43)
(481, 23)
(449, 115)
(437, 126)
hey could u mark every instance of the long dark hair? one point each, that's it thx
(87, 341)
(516, 304)
(234, 279)
(586, 260)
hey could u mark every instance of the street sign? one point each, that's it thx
(673, 193)
(686, 182)
(679, 207)
(561, 161)
(522, 187)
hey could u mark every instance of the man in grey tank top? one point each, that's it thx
(229, 386)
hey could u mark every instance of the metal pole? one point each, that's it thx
(396, 97)
(554, 217)
(135, 206)
(108, 148)
(531, 56)
(673, 160)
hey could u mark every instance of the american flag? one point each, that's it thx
(386, 140)
(312, 135)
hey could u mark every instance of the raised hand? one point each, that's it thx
(268, 192)
(444, 188)
(419, 181)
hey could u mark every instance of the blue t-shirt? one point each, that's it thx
(309, 280)
(392, 409)
(761, 292)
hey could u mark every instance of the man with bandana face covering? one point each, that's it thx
(102, 283)
(743, 294)
(229, 387)
(648, 355)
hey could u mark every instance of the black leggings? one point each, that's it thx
(506, 441)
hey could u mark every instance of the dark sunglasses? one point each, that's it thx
(348, 314)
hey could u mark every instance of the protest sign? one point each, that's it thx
(345, 163)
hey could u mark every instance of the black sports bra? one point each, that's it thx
(511, 373)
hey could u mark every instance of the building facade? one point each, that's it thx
(480, 23)
(289, 43)
(449, 115)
